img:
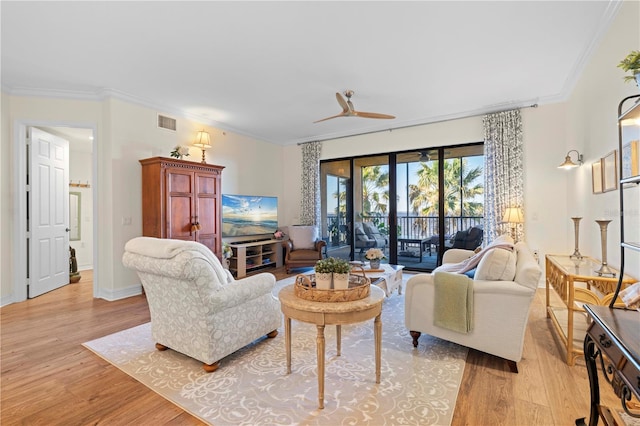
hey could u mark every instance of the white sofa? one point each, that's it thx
(500, 308)
(196, 306)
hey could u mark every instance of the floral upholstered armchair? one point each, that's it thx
(196, 306)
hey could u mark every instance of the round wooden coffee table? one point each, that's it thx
(331, 313)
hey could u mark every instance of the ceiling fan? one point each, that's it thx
(349, 111)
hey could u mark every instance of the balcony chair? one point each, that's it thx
(196, 306)
(369, 236)
(470, 239)
(303, 248)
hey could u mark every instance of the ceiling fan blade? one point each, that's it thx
(372, 115)
(342, 114)
(342, 102)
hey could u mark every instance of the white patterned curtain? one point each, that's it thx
(310, 204)
(504, 177)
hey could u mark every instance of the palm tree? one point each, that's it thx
(374, 179)
(460, 189)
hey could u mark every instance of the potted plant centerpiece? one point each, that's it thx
(332, 273)
(324, 273)
(374, 256)
(341, 269)
(631, 64)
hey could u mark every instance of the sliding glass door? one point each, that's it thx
(336, 207)
(440, 192)
(408, 204)
(371, 205)
(418, 209)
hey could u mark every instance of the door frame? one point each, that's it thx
(20, 201)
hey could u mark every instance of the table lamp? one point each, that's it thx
(203, 141)
(513, 215)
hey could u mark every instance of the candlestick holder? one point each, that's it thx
(576, 228)
(604, 268)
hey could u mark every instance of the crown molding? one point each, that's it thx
(604, 24)
(105, 94)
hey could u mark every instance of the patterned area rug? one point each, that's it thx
(251, 387)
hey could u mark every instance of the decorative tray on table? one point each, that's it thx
(359, 288)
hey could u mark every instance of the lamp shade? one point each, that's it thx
(513, 215)
(568, 162)
(203, 140)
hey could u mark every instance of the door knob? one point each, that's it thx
(67, 229)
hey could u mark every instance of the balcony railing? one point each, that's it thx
(408, 226)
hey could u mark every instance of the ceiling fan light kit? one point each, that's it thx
(349, 111)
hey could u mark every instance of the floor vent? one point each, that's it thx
(165, 122)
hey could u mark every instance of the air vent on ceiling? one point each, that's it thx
(165, 122)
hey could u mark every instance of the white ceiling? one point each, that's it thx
(269, 69)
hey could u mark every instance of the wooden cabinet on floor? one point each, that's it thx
(181, 200)
(254, 255)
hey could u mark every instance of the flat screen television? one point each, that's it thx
(249, 215)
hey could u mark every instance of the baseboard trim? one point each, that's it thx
(123, 293)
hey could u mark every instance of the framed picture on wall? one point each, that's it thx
(596, 177)
(630, 158)
(610, 171)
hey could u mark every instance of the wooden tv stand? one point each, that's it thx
(253, 256)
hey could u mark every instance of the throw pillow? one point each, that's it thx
(303, 237)
(471, 273)
(497, 265)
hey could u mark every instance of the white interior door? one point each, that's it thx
(48, 236)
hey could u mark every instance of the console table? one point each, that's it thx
(614, 336)
(562, 272)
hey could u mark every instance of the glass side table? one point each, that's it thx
(562, 274)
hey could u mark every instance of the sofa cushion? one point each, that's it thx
(497, 265)
(370, 229)
(360, 233)
(303, 237)
(503, 239)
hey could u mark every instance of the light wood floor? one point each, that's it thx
(47, 377)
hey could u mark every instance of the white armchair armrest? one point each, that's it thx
(456, 255)
(241, 291)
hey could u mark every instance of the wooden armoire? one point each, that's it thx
(182, 200)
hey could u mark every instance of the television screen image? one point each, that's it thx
(248, 215)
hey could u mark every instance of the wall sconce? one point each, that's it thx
(203, 141)
(568, 163)
(513, 215)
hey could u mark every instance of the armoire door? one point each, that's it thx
(207, 209)
(180, 213)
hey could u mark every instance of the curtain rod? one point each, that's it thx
(416, 125)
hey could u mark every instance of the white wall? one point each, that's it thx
(592, 129)
(6, 270)
(39, 112)
(587, 122)
(80, 170)
(543, 129)
(125, 134)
